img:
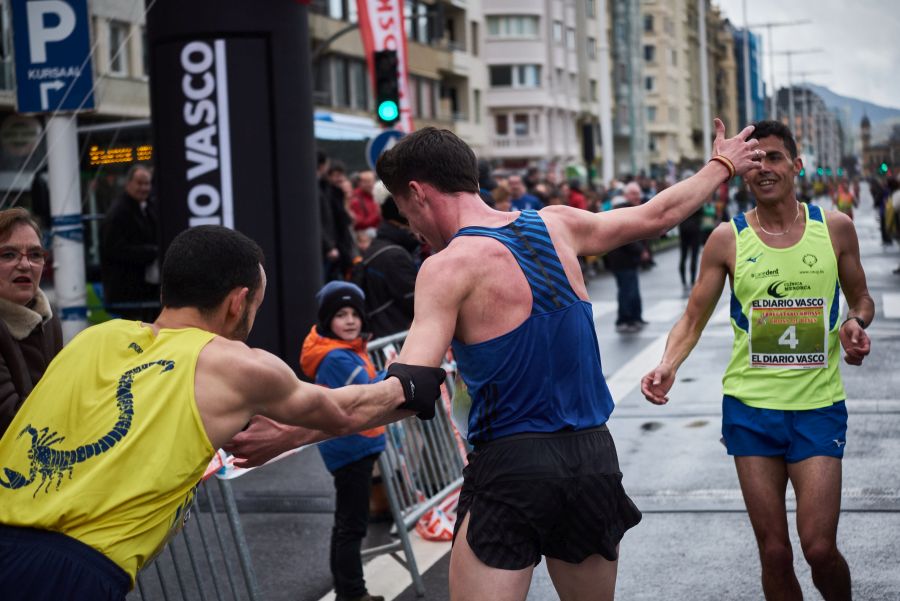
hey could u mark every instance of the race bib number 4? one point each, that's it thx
(789, 333)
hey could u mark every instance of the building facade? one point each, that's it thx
(673, 96)
(816, 128)
(757, 85)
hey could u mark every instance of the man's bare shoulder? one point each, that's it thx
(233, 361)
(840, 228)
(720, 246)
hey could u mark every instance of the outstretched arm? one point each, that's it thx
(596, 233)
(234, 382)
(685, 334)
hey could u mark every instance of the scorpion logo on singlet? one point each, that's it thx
(52, 463)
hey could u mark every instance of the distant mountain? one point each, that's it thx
(881, 117)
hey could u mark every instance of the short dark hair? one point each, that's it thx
(336, 167)
(766, 128)
(435, 156)
(203, 264)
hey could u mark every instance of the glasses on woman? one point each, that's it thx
(12, 256)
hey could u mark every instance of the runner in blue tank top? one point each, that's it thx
(506, 290)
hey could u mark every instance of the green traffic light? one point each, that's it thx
(884, 168)
(828, 171)
(388, 111)
(840, 171)
(820, 171)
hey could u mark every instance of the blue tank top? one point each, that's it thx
(545, 375)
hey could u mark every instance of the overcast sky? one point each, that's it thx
(860, 42)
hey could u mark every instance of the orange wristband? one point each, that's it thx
(727, 162)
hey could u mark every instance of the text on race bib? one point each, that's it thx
(788, 333)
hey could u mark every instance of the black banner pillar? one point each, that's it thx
(230, 90)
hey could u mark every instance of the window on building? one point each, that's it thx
(648, 23)
(516, 76)
(474, 43)
(559, 78)
(573, 83)
(589, 8)
(336, 9)
(501, 125)
(650, 84)
(558, 32)
(528, 76)
(520, 124)
(649, 53)
(341, 83)
(145, 53)
(594, 96)
(501, 76)
(592, 48)
(673, 57)
(476, 102)
(673, 114)
(570, 38)
(651, 114)
(513, 26)
(669, 26)
(118, 48)
(360, 82)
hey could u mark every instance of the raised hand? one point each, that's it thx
(744, 154)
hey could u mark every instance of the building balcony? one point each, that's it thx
(518, 147)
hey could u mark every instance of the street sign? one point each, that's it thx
(380, 143)
(52, 45)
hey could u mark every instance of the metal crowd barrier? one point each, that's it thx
(421, 467)
(208, 560)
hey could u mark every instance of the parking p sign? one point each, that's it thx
(52, 45)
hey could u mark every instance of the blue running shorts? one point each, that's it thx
(795, 435)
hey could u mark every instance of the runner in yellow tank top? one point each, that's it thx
(98, 468)
(783, 413)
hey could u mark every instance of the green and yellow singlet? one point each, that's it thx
(110, 446)
(785, 314)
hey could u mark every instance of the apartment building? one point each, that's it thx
(673, 95)
(816, 128)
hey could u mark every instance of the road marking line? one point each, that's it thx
(603, 307)
(891, 303)
(628, 377)
(666, 310)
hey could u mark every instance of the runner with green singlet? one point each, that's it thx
(783, 412)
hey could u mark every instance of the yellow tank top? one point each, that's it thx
(785, 314)
(109, 447)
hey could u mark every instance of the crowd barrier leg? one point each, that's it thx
(193, 560)
(234, 520)
(387, 472)
(206, 550)
(218, 531)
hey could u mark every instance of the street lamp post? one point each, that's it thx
(773, 112)
(790, 54)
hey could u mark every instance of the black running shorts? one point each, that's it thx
(558, 495)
